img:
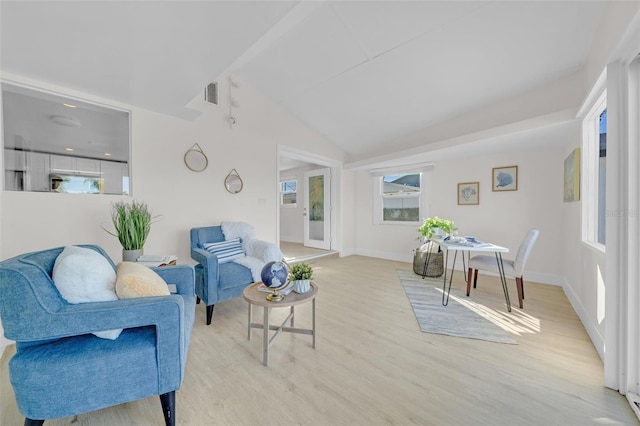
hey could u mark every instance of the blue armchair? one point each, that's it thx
(217, 282)
(60, 369)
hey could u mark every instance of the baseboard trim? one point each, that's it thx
(596, 338)
(634, 401)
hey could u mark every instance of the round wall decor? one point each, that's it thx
(195, 159)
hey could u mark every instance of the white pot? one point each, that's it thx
(439, 231)
(301, 286)
(131, 255)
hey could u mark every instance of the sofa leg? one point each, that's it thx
(197, 300)
(168, 401)
(209, 313)
(31, 422)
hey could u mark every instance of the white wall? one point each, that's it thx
(501, 217)
(184, 199)
(348, 203)
(505, 217)
(583, 267)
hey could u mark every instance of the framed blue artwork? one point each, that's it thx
(505, 178)
(468, 193)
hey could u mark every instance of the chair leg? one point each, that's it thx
(31, 422)
(519, 286)
(469, 280)
(209, 313)
(168, 401)
(475, 278)
(522, 285)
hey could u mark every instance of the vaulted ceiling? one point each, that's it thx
(365, 74)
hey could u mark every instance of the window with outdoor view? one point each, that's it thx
(594, 173)
(288, 192)
(602, 174)
(400, 197)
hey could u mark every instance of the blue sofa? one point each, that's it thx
(217, 282)
(60, 369)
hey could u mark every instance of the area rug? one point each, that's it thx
(460, 318)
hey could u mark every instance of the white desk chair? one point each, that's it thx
(514, 268)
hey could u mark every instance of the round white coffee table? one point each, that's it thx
(259, 298)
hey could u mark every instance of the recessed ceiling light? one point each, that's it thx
(63, 120)
(107, 154)
(70, 105)
(68, 149)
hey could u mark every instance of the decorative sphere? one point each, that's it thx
(275, 274)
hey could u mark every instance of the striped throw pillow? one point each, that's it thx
(226, 250)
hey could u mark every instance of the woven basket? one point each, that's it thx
(435, 268)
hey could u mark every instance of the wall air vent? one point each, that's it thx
(211, 93)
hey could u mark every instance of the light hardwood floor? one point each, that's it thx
(299, 252)
(373, 366)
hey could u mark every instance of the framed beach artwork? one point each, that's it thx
(468, 193)
(572, 176)
(505, 178)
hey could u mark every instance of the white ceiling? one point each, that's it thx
(361, 73)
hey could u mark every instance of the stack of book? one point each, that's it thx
(157, 259)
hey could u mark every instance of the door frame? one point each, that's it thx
(285, 151)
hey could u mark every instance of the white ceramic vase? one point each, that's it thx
(301, 286)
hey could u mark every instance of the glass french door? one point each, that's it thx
(317, 208)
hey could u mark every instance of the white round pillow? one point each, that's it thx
(83, 275)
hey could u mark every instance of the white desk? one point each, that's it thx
(468, 248)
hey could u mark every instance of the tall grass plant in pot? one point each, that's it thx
(132, 223)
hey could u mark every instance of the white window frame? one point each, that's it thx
(378, 197)
(282, 181)
(589, 189)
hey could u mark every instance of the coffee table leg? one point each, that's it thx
(265, 337)
(249, 323)
(313, 320)
(292, 317)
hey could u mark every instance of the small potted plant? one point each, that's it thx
(432, 224)
(132, 222)
(301, 274)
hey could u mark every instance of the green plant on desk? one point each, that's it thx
(430, 224)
